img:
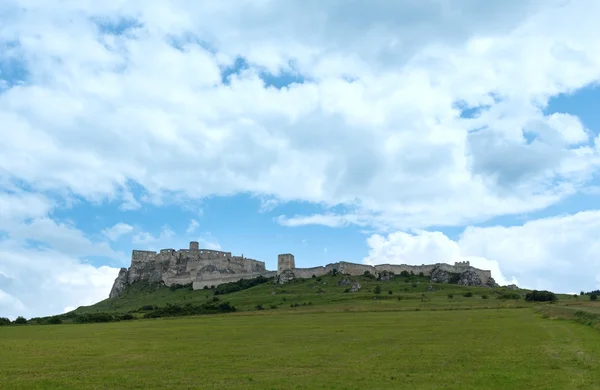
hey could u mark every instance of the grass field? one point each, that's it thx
(406, 293)
(457, 349)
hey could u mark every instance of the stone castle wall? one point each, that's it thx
(207, 268)
(359, 269)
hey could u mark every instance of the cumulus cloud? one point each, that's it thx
(556, 253)
(375, 124)
(423, 247)
(192, 227)
(38, 282)
(118, 230)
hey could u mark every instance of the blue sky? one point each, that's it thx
(385, 133)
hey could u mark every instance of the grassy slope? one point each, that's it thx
(325, 292)
(476, 349)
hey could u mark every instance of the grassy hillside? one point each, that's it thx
(277, 349)
(317, 293)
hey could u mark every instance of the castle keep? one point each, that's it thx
(206, 268)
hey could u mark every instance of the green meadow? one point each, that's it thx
(337, 340)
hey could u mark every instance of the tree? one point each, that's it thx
(541, 296)
(593, 297)
(4, 321)
(377, 290)
(20, 320)
(450, 296)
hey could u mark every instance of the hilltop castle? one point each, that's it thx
(207, 268)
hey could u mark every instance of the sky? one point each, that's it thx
(383, 131)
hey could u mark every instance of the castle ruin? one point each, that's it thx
(209, 268)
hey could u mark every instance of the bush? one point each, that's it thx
(450, 296)
(468, 294)
(400, 297)
(56, 320)
(414, 285)
(390, 292)
(20, 321)
(318, 279)
(593, 297)
(333, 272)
(484, 296)
(405, 274)
(189, 310)
(509, 295)
(95, 318)
(454, 277)
(4, 321)
(147, 308)
(541, 296)
(421, 274)
(369, 275)
(273, 306)
(176, 286)
(377, 290)
(259, 307)
(127, 317)
(242, 284)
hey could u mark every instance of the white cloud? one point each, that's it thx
(557, 253)
(39, 282)
(118, 230)
(390, 142)
(193, 226)
(151, 241)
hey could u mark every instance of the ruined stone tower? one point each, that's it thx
(285, 262)
(194, 245)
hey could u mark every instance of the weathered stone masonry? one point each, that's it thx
(207, 268)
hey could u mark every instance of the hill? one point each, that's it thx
(329, 293)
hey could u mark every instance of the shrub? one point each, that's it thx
(147, 308)
(4, 321)
(453, 278)
(273, 306)
(400, 297)
(450, 296)
(215, 299)
(333, 272)
(484, 296)
(509, 295)
(404, 273)
(242, 284)
(318, 279)
(176, 286)
(314, 276)
(414, 285)
(377, 289)
(127, 317)
(593, 297)
(95, 318)
(56, 320)
(541, 296)
(369, 275)
(468, 294)
(390, 292)
(20, 320)
(189, 309)
(259, 307)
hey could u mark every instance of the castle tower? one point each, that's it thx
(285, 262)
(194, 245)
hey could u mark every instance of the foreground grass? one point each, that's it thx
(474, 349)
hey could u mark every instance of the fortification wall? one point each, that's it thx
(142, 256)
